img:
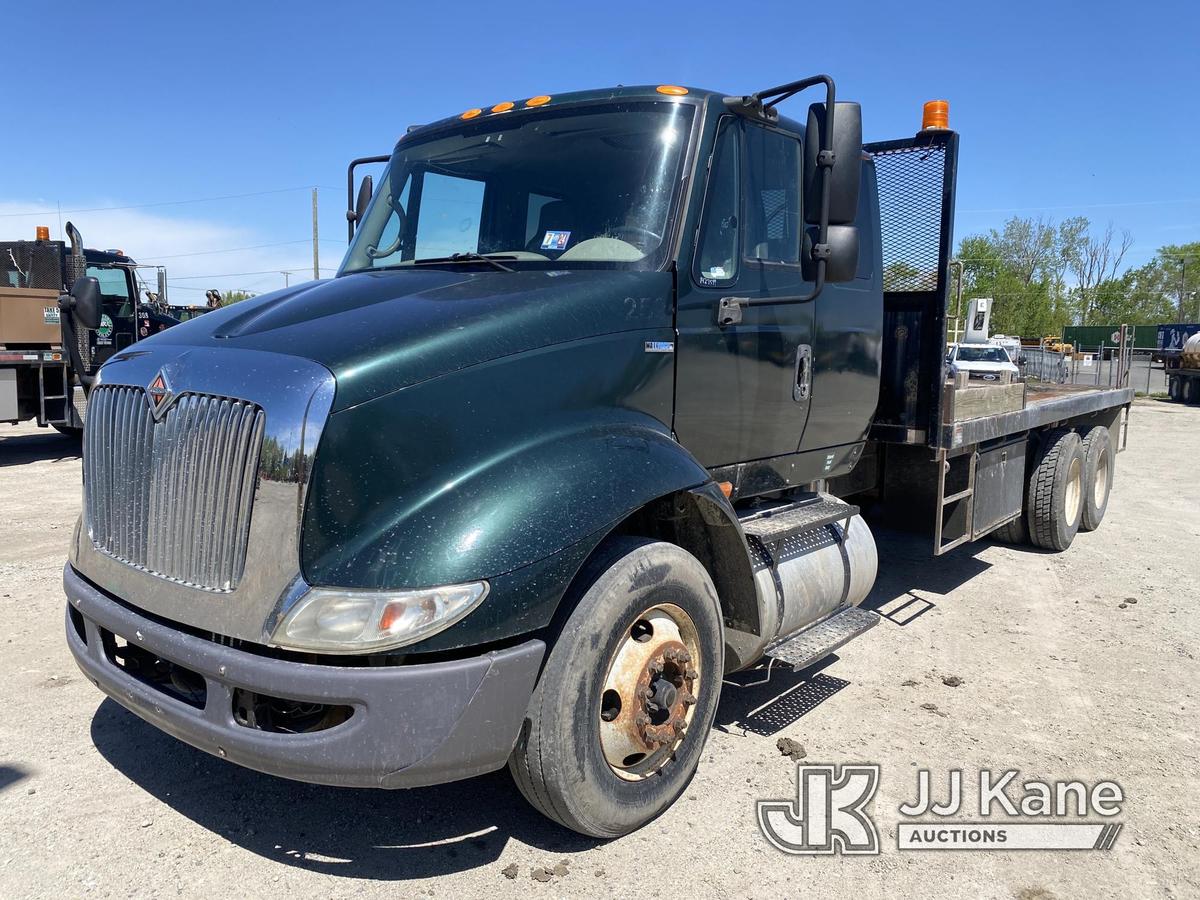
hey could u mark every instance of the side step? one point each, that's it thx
(819, 641)
(778, 524)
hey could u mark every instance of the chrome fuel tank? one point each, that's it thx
(804, 578)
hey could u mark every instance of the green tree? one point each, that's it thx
(1021, 268)
(1167, 289)
(1093, 261)
(230, 297)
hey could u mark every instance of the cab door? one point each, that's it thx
(742, 391)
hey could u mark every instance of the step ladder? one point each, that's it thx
(774, 525)
(43, 396)
(960, 504)
(818, 641)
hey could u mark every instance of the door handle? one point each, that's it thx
(802, 384)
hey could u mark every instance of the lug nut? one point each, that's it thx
(641, 720)
(686, 698)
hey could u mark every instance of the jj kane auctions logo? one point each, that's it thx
(830, 813)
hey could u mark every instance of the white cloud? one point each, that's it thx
(198, 253)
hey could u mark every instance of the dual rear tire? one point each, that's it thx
(1067, 491)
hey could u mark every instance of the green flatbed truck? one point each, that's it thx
(583, 423)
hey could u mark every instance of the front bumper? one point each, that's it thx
(410, 725)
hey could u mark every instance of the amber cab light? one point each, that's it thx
(43, 232)
(671, 90)
(936, 115)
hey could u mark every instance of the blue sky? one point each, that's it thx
(1064, 109)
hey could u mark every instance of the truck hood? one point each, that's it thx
(379, 332)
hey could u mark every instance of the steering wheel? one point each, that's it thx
(643, 238)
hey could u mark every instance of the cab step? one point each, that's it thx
(782, 522)
(815, 643)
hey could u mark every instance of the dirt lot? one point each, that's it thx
(1058, 680)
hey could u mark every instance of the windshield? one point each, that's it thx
(982, 354)
(590, 186)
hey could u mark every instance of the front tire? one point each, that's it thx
(623, 707)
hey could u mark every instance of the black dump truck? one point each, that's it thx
(48, 361)
(583, 423)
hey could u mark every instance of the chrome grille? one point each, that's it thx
(174, 496)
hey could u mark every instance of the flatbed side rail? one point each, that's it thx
(1040, 411)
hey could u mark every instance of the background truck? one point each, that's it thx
(1170, 342)
(47, 362)
(1183, 379)
(586, 420)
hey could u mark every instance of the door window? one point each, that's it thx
(719, 247)
(773, 219)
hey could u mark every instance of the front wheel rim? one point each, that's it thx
(651, 689)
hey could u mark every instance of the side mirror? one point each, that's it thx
(842, 262)
(846, 170)
(365, 189)
(84, 302)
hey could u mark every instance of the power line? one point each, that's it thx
(43, 212)
(229, 249)
(175, 278)
(1002, 209)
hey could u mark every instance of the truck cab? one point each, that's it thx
(47, 360)
(125, 319)
(568, 438)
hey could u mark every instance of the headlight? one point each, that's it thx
(332, 620)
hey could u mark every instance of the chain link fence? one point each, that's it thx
(1093, 369)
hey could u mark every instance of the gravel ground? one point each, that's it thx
(1057, 680)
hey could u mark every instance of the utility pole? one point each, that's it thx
(285, 278)
(1182, 287)
(316, 256)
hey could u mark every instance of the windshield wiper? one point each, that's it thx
(468, 256)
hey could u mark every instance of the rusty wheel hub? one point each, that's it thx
(650, 692)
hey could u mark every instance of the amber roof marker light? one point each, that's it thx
(936, 116)
(539, 100)
(671, 90)
(471, 113)
(503, 107)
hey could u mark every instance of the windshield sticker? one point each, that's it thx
(556, 240)
(104, 332)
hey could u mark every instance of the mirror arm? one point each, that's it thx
(351, 215)
(729, 309)
(66, 304)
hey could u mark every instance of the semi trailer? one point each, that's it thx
(588, 418)
(48, 361)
